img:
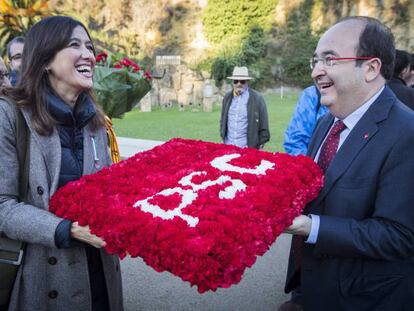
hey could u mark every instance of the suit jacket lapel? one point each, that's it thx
(321, 131)
(50, 149)
(354, 143)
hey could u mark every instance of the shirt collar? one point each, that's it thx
(351, 120)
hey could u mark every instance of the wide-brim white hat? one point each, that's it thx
(240, 73)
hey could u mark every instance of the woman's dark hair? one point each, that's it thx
(43, 41)
(375, 40)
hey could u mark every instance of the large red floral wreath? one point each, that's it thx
(202, 211)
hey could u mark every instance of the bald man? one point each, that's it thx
(353, 248)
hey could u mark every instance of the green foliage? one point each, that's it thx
(222, 67)
(253, 46)
(299, 45)
(250, 55)
(223, 19)
(295, 59)
(16, 18)
(262, 74)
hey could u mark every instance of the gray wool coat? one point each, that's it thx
(49, 278)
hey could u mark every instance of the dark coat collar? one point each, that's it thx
(83, 112)
(397, 80)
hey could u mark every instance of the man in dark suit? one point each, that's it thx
(354, 248)
(401, 77)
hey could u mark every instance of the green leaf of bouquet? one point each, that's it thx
(117, 90)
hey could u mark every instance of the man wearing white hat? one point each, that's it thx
(244, 121)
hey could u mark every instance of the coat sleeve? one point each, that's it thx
(389, 232)
(264, 133)
(19, 221)
(223, 117)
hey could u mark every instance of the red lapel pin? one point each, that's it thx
(366, 135)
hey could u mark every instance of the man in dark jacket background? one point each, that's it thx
(244, 120)
(400, 78)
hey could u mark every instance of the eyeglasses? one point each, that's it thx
(239, 81)
(3, 74)
(16, 57)
(330, 61)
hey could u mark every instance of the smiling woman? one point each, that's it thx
(64, 266)
(70, 71)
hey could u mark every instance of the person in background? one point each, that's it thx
(4, 75)
(244, 120)
(400, 78)
(353, 247)
(15, 53)
(65, 266)
(307, 112)
(410, 80)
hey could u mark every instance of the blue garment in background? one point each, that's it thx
(303, 121)
(14, 76)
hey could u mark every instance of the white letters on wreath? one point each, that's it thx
(189, 195)
(222, 164)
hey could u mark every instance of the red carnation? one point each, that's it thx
(129, 63)
(147, 75)
(101, 57)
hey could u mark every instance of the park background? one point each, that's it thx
(206, 39)
(274, 38)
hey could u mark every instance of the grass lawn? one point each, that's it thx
(166, 124)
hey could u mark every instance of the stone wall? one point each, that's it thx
(176, 85)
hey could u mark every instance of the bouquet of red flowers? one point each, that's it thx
(202, 211)
(119, 84)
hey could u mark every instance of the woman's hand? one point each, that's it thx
(84, 234)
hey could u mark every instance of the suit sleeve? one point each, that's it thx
(389, 233)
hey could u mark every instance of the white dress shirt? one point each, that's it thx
(237, 121)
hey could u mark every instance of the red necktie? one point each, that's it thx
(330, 145)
